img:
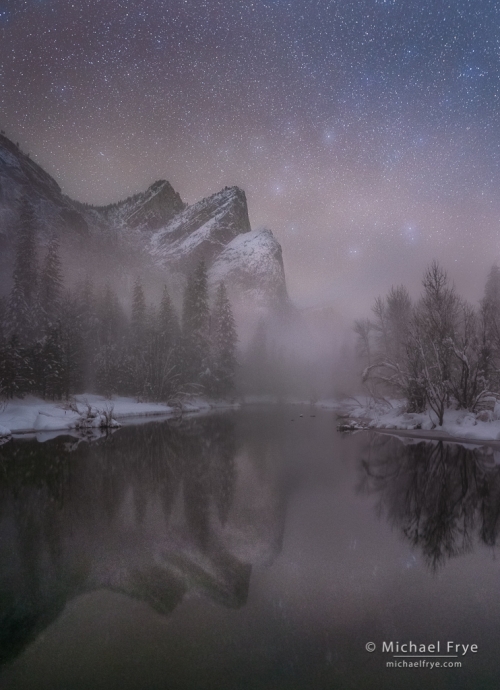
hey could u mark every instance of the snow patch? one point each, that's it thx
(89, 412)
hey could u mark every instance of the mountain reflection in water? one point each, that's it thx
(157, 557)
(145, 512)
(442, 496)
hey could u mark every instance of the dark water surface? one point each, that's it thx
(246, 551)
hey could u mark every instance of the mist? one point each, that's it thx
(249, 344)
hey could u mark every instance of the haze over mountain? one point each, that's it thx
(153, 233)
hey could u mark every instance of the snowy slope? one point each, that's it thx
(146, 211)
(21, 177)
(202, 230)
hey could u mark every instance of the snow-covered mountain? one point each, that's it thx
(155, 227)
(201, 230)
(146, 211)
(252, 263)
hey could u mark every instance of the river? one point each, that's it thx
(256, 549)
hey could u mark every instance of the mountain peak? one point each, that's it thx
(17, 165)
(252, 264)
(147, 210)
(200, 231)
(154, 226)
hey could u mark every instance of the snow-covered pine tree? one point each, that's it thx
(22, 317)
(51, 285)
(195, 328)
(224, 339)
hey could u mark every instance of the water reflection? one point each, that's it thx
(442, 496)
(152, 512)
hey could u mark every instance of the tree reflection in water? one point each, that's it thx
(144, 512)
(442, 496)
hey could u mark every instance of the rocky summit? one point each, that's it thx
(155, 226)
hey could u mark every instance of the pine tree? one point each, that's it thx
(3, 318)
(195, 327)
(168, 323)
(22, 316)
(137, 360)
(161, 358)
(138, 322)
(87, 325)
(110, 355)
(52, 355)
(13, 367)
(224, 340)
(74, 350)
(51, 285)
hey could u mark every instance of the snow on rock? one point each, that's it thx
(4, 432)
(9, 159)
(155, 225)
(146, 211)
(252, 264)
(201, 230)
(217, 229)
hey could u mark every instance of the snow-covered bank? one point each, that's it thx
(366, 413)
(34, 415)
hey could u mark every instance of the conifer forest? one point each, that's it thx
(55, 342)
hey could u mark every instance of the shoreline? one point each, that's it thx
(90, 415)
(390, 416)
(436, 435)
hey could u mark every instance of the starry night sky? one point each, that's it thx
(365, 133)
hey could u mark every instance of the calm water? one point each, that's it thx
(245, 551)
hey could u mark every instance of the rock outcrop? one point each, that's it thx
(155, 227)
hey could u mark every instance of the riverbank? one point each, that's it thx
(86, 412)
(390, 415)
